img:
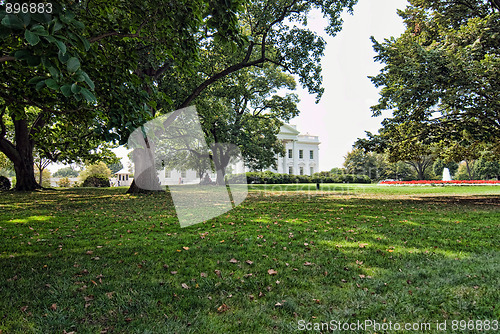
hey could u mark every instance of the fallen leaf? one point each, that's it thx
(90, 252)
(249, 262)
(185, 286)
(307, 263)
(110, 294)
(173, 272)
(362, 245)
(272, 272)
(185, 248)
(88, 298)
(233, 260)
(218, 272)
(53, 307)
(203, 274)
(24, 308)
(222, 308)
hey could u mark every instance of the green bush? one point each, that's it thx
(4, 183)
(268, 177)
(96, 181)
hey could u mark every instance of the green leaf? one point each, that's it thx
(12, 22)
(26, 17)
(78, 76)
(40, 85)
(88, 95)
(52, 84)
(66, 90)
(36, 80)
(85, 42)
(60, 45)
(63, 58)
(57, 26)
(32, 38)
(89, 81)
(39, 30)
(75, 88)
(54, 72)
(73, 64)
(21, 54)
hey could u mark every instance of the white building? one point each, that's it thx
(301, 152)
(301, 158)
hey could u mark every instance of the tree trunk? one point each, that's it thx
(23, 158)
(147, 177)
(221, 177)
(25, 175)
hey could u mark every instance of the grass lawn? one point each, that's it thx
(101, 261)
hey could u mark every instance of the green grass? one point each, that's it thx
(98, 260)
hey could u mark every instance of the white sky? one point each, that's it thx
(343, 114)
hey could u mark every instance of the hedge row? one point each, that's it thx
(268, 177)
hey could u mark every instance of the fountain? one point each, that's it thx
(446, 174)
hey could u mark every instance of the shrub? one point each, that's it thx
(64, 182)
(96, 181)
(4, 183)
(268, 177)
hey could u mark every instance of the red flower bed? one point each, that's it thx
(442, 182)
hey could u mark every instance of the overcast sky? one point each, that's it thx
(343, 114)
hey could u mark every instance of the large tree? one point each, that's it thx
(443, 71)
(76, 75)
(272, 32)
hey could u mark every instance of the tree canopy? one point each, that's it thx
(443, 71)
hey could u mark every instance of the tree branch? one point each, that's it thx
(116, 33)
(6, 58)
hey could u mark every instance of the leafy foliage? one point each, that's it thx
(443, 70)
(66, 172)
(96, 180)
(95, 170)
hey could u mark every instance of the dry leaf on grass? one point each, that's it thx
(272, 272)
(222, 308)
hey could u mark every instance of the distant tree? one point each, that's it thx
(66, 172)
(336, 171)
(99, 169)
(44, 178)
(115, 167)
(41, 163)
(486, 169)
(64, 182)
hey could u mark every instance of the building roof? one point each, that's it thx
(123, 171)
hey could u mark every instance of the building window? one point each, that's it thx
(311, 154)
(290, 153)
(301, 170)
(183, 174)
(127, 177)
(301, 154)
(311, 170)
(168, 173)
(290, 170)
